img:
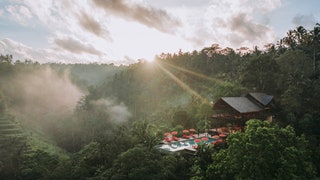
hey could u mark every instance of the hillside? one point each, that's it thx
(98, 121)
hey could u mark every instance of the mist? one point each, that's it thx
(42, 95)
(45, 101)
(118, 112)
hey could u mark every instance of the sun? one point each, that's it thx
(149, 60)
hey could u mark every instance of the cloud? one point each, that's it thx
(304, 20)
(19, 50)
(149, 16)
(92, 26)
(75, 46)
(245, 30)
(233, 23)
(21, 14)
(175, 3)
(50, 13)
(113, 30)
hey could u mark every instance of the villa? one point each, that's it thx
(237, 110)
(234, 111)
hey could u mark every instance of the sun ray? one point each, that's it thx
(182, 84)
(195, 73)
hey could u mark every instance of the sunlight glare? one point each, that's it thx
(195, 74)
(182, 84)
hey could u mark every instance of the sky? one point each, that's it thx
(125, 31)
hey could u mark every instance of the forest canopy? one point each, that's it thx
(100, 121)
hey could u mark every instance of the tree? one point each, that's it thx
(146, 134)
(263, 151)
(6, 66)
(3, 105)
(305, 40)
(289, 41)
(202, 160)
(225, 89)
(180, 117)
(315, 33)
(138, 163)
(260, 73)
(203, 117)
(6, 58)
(294, 78)
(39, 165)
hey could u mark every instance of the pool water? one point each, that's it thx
(185, 144)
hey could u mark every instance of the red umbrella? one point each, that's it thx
(192, 130)
(204, 139)
(197, 140)
(222, 135)
(185, 131)
(174, 132)
(215, 137)
(166, 134)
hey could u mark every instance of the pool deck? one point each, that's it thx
(168, 147)
(184, 144)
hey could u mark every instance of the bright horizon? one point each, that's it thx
(122, 31)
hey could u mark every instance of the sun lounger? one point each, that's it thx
(175, 138)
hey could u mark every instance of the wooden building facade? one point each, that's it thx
(240, 109)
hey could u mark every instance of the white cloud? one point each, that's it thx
(22, 52)
(92, 25)
(75, 46)
(232, 23)
(21, 14)
(122, 31)
(53, 14)
(141, 13)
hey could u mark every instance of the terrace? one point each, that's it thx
(190, 140)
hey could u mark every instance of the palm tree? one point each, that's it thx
(146, 133)
(289, 40)
(301, 35)
(315, 41)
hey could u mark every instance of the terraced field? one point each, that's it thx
(12, 137)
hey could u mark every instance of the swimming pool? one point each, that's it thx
(189, 144)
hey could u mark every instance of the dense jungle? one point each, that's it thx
(102, 121)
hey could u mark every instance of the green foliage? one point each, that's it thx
(146, 133)
(227, 89)
(295, 82)
(201, 161)
(3, 105)
(181, 118)
(295, 67)
(172, 94)
(6, 66)
(260, 73)
(138, 163)
(263, 151)
(39, 165)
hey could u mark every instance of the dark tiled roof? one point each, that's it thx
(262, 98)
(241, 104)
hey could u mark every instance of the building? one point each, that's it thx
(237, 110)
